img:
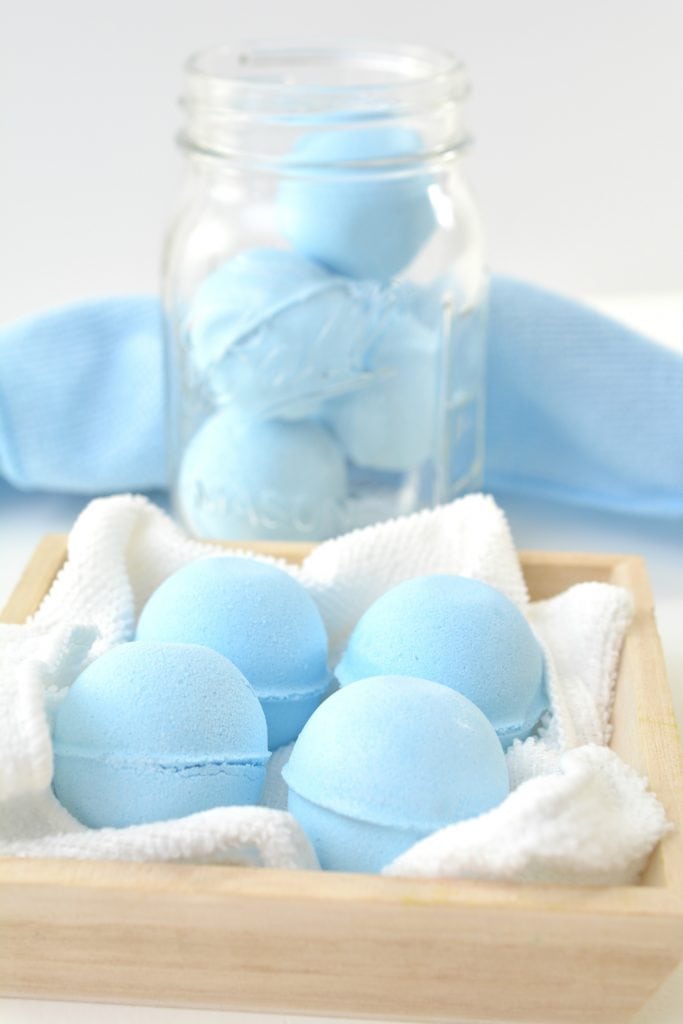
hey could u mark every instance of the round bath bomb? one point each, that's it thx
(354, 203)
(276, 332)
(461, 633)
(387, 761)
(152, 731)
(390, 425)
(250, 479)
(260, 618)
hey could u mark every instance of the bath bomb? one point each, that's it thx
(152, 731)
(387, 761)
(247, 478)
(461, 633)
(259, 617)
(272, 330)
(354, 201)
(390, 424)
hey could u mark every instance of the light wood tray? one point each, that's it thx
(361, 945)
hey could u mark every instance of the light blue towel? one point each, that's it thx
(580, 408)
(81, 398)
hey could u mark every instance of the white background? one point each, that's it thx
(578, 164)
(576, 110)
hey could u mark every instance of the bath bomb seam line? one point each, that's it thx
(505, 730)
(289, 303)
(152, 761)
(367, 817)
(293, 695)
(402, 826)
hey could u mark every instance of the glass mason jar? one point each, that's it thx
(324, 292)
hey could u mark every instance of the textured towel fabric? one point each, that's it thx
(81, 398)
(579, 408)
(541, 833)
(576, 814)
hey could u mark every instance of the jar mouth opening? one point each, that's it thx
(356, 79)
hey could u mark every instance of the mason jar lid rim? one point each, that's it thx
(220, 71)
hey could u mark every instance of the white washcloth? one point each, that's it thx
(577, 813)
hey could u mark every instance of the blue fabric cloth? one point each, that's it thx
(580, 408)
(81, 393)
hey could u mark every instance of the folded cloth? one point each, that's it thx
(576, 814)
(81, 398)
(580, 408)
(541, 832)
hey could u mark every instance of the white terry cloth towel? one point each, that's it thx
(577, 813)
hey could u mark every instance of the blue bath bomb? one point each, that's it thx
(354, 203)
(152, 731)
(459, 632)
(387, 761)
(274, 331)
(260, 618)
(247, 479)
(390, 424)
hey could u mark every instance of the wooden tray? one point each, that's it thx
(361, 945)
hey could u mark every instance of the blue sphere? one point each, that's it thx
(259, 617)
(276, 333)
(152, 731)
(387, 761)
(353, 203)
(461, 633)
(390, 425)
(244, 478)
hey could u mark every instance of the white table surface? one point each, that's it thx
(23, 518)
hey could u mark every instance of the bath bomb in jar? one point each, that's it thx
(152, 731)
(461, 633)
(247, 478)
(274, 331)
(259, 617)
(390, 424)
(355, 202)
(387, 761)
